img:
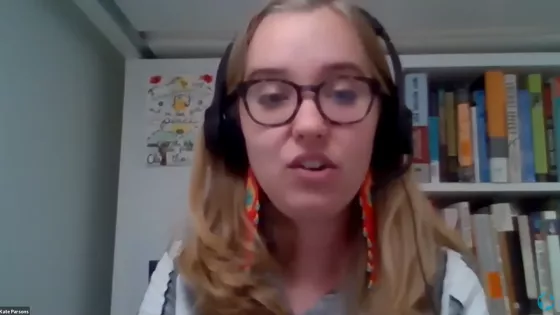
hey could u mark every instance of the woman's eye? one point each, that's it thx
(344, 96)
(272, 98)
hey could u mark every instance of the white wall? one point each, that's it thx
(60, 115)
(152, 206)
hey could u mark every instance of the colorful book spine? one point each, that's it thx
(443, 169)
(464, 140)
(474, 138)
(487, 252)
(514, 149)
(555, 98)
(529, 269)
(497, 130)
(541, 256)
(549, 129)
(464, 210)
(551, 224)
(433, 134)
(539, 135)
(526, 136)
(479, 99)
(502, 219)
(451, 137)
(416, 97)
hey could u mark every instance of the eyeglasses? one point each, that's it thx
(341, 100)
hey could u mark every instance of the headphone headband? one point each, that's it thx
(391, 50)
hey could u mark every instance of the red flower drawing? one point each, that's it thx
(207, 78)
(155, 79)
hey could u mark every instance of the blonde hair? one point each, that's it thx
(212, 262)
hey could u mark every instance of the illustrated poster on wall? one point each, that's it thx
(175, 111)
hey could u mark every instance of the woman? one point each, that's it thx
(308, 81)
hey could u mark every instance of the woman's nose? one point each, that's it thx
(309, 124)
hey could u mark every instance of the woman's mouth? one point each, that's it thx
(313, 167)
(312, 162)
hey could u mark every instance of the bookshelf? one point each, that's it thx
(498, 187)
(463, 68)
(480, 61)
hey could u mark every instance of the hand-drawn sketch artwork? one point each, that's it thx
(175, 110)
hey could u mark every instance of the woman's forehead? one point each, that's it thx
(349, 67)
(311, 41)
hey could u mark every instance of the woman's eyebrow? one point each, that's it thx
(342, 66)
(267, 72)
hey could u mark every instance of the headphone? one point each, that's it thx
(393, 139)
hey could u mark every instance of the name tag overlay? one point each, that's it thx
(15, 310)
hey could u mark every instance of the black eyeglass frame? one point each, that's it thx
(373, 84)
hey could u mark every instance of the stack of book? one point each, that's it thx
(499, 128)
(517, 248)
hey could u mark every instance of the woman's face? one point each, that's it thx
(309, 168)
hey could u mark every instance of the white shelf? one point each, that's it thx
(505, 60)
(466, 67)
(483, 190)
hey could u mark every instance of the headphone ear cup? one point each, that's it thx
(211, 127)
(213, 116)
(233, 145)
(385, 147)
(405, 130)
(393, 139)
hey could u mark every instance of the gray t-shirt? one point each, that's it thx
(330, 304)
(459, 294)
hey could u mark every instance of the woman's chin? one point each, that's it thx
(312, 207)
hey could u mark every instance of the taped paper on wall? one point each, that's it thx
(175, 111)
